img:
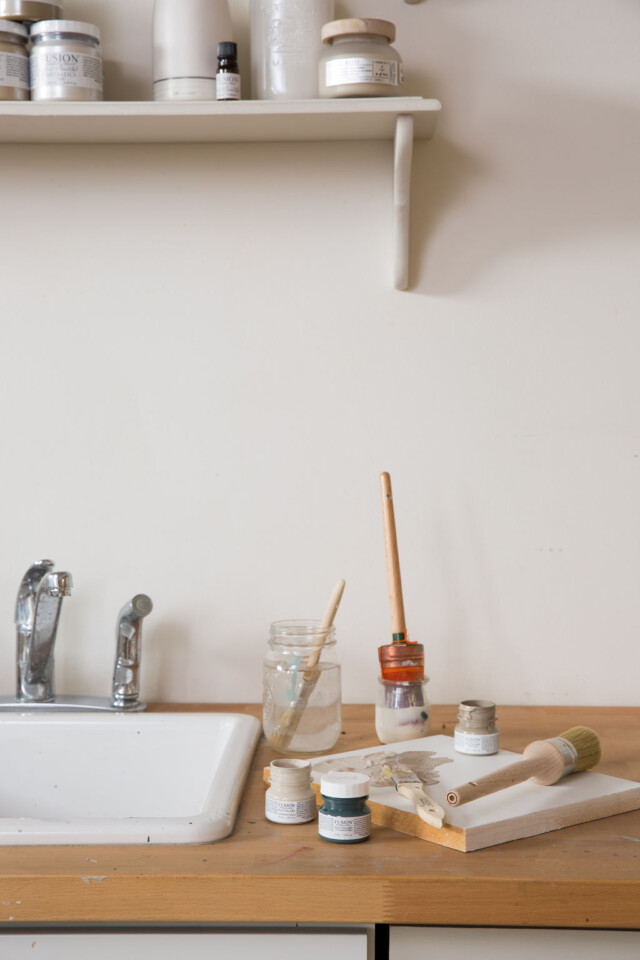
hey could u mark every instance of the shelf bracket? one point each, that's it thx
(403, 152)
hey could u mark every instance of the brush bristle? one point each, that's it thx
(587, 743)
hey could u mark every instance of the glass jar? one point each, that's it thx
(66, 61)
(301, 709)
(402, 710)
(286, 47)
(359, 60)
(14, 61)
(344, 816)
(476, 732)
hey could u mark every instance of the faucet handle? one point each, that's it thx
(126, 687)
(27, 592)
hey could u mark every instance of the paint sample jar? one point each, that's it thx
(359, 60)
(344, 816)
(290, 797)
(66, 61)
(14, 61)
(476, 732)
(286, 47)
(402, 710)
(287, 682)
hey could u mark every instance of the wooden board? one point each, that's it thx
(524, 810)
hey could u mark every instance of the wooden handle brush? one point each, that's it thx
(543, 761)
(282, 735)
(401, 660)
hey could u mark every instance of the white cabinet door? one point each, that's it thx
(263, 944)
(457, 943)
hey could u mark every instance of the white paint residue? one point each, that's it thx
(93, 879)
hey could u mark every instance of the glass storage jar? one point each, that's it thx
(14, 61)
(66, 61)
(402, 710)
(316, 727)
(359, 60)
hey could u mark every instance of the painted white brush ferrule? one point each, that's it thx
(568, 752)
(290, 798)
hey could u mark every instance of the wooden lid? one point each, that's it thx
(338, 28)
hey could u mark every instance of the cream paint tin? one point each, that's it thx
(14, 61)
(66, 61)
(29, 11)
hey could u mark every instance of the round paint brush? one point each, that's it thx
(543, 761)
(401, 660)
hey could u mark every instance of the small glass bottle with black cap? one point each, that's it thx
(228, 75)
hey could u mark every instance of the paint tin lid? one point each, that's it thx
(344, 784)
(29, 11)
(16, 29)
(65, 26)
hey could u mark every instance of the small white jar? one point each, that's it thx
(359, 60)
(14, 61)
(290, 798)
(66, 61)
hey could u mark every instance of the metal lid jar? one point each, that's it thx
(359, 60)
(14, 61)
(66, 61)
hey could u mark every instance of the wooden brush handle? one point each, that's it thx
(426, 807)
(327, 623)
(396, 602)
(541, 760)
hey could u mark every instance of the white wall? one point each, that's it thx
(204, 369)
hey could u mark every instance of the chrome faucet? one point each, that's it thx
(37, 615)
(126, 687)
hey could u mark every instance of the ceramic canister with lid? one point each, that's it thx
(14, 61)
(359, 60)
(66, 61)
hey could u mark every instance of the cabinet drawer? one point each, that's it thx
(240, 944)
(409, 943)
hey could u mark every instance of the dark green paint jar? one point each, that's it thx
(344, 816)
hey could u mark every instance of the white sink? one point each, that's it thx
(122, 778)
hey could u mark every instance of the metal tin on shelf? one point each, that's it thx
(14, 61)
(66, 61)
(29, 11)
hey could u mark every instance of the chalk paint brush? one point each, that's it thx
(543, 761)
(411, 786)
(401, 660)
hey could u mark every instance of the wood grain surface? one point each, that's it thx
(581, 876)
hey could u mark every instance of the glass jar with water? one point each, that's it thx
(301, 704)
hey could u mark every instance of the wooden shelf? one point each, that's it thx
(246, 121)
(243, 121)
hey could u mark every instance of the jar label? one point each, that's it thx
(60, 69)
(289, 811)
(484, 743)
(227, 86)
(362, 70)
(14, 71)
(344, 828)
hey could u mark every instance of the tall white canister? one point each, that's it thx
(286, 46)
(186, 34)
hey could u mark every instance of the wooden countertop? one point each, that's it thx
(582, 876)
